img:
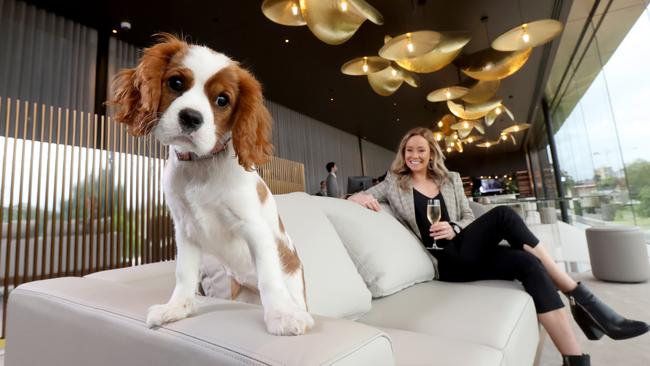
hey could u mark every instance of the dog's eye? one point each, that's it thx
(175, 83)
(222, 100)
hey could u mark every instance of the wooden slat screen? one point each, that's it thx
(78, 195)
(283, 176)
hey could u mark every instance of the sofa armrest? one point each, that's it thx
(84, 321)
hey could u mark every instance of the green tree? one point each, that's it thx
(638, 177)
(644, 197)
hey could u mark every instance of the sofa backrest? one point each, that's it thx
(388, 256)
(334, 287)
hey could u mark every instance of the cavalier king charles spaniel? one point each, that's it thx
(211, 113)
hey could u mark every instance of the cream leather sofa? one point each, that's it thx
(368, 284)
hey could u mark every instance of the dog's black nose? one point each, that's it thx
(190, 119)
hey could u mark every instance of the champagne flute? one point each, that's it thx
(433, 214)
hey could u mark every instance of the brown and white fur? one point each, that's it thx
(192, 99)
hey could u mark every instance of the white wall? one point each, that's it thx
(301, 138)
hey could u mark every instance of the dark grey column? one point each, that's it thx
(557, 172)
(101, 73)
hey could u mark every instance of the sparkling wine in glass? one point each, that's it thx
(433, 214)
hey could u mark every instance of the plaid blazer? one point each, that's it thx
(401, 200)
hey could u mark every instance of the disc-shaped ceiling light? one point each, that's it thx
(516, 128)
(331, 21)
(505, 136)
(285, 12)
(445, 123)
(464, 125)
(448, 93)
(472, 139)
(388, 80)
(490, 64)
(449, 47)
(471, 111)
(409, 45)
(364, 65)
(488, 144)
(481, 91)
(528, 35)
(493, 114)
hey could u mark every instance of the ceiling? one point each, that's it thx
(304, 74)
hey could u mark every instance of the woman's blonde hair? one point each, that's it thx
(436, 169)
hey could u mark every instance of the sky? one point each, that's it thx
(616, 107)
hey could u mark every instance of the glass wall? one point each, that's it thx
(600, 107)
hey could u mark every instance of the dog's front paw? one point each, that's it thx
(282, 322)
(165, 313)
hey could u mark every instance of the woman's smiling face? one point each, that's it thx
(417, 154)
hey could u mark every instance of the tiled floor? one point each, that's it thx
(631, 300)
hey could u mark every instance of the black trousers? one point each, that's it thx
(474, 255)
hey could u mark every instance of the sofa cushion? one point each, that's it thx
(417, 349)
(499, 317)
(84, 321)
(159, 276)
(388, 256)
(334, 287)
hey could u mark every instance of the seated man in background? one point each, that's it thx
(323, 189)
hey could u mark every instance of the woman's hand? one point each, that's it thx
(442, 230)
(366, 200)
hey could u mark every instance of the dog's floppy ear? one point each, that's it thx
(251, 130)
(137, 91)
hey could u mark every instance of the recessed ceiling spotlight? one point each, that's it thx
(286, 41)
(114, 31)
(125, 25)
(331, 99)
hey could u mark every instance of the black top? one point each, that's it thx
(420, 203)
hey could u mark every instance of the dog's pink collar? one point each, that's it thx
(190, 156)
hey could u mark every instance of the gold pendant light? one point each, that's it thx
(472, 139)
(528, 35)
(464, 125)
(336, 21)
(364, 65)
(410, 45)
(516, 128)
(464, 132)
(448, 93)
(488, 144)
(384, 76)
(331, 21)
(490, 64)
(481, 91)
(285, 12)
(445, 123)
(449, 47)
(388, 80)
(493, 114)
(471, 111)
(505, 136)
(459, 146)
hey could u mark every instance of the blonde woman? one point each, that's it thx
(470, 251)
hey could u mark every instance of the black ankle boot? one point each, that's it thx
(596, 318)
(582, 360)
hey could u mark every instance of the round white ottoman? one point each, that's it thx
(618, 254)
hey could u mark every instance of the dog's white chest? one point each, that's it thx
(210, 218)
